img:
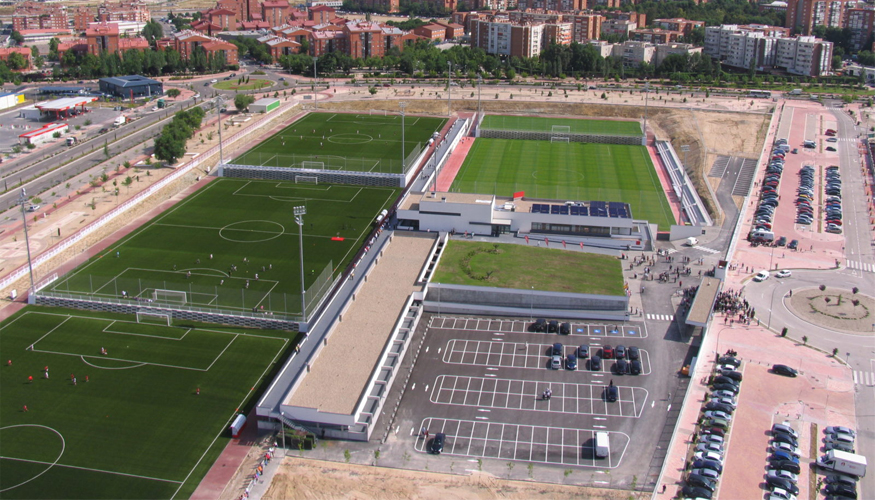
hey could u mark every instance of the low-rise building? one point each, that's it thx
(654, 35)
(131, 86)
(431, 32)
(866, 72)
(619, 27)
(664, 50)
(24, 52)
(684, 26)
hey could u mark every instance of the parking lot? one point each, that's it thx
(481, 381)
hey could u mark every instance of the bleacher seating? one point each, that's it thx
(595, 209)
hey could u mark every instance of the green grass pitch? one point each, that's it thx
(136, 428)
(341, 140)
(575, 126)
(244, 223)
(523, 267)
(566, 171)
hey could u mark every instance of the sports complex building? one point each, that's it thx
(323, 253)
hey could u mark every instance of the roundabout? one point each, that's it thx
(833, 308)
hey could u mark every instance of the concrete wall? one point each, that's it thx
(524, 300)
(681, 232)
(324, 176)
(631, 140)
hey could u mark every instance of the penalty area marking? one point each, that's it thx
(82, 357)
(50, 464)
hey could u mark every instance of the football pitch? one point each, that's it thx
(145, 420)
(561, 125)
(340, 141)
(233, 246)
(566, 171)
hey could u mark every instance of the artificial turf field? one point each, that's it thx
(566, 171)
(137, 427)
(237, 222)
(575, 126)
(356, 142)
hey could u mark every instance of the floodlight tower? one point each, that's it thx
(449, 87)
(314, 81)
(479, 88)
(220, 103)
(299, 219)
(403, 105)
(22, 200)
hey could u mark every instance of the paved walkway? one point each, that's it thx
(448, 174)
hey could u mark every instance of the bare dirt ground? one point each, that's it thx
(300, 479)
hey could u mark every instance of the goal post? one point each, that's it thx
(559, 139)
(313, 165)
(306, 179)
(561, 129)
(153, 318)
(170, 296)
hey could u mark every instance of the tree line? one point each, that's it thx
(170, 145)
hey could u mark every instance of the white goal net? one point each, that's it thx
(561, 129)
(153, 318)
(306, 179)
(559, 139)
(171, 296)
(313, 165)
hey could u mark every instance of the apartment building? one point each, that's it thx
(804, 15)
(585, 27)
(81, 17)
(619, 27)
(664, 50)
(133, 10)
(861, 22)
(684, 26)
(185, 42)
(5, 52)
(738, 47)
(275, 12)
(654, 35)
(39, 16)
(553, 5)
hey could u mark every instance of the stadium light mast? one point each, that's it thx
(314, 80)
(479, 88)
(22, 200)
(646, 100)
(299, 219)
(449, 87)
(403, 105)
(220, 102)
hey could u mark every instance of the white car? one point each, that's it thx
(761, 276)
(779, 494)
(783, 274)
(786, 447)
(840, 429)
(718, 414)
(839, 437)
(33, 208)
(783, 474)
(214, 81)
(708, 455)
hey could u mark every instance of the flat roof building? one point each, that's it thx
(131, 86)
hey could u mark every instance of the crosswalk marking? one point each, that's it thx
(706, 249)
(864, 378)
(671, 250)
(862, 266)
(661, 317)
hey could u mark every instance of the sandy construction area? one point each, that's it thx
(300, 479)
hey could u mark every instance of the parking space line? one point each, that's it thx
(506, 441)
(566, 396)
(634, 330)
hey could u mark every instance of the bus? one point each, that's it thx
(765, 94)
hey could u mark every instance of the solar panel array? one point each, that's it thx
(592, 209)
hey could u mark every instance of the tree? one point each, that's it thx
(173, 93)
(17, 38)
(53, 49)
(168, 148)
(242, 101)
(16, 61)
(152, 31)
(804, 339)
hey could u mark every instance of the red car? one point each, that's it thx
(607, 352)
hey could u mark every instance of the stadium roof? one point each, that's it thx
(65, 103)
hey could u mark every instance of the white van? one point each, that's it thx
(692, 241)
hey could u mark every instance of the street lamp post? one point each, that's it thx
(283, 426)
(646, 100)
(403, 105)
(314, 80)
(299, 219)
(684, 149)
(449, 86)
(22, 200)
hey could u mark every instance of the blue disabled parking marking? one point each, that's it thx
(597, 330)
(580, 330)
(632, 332)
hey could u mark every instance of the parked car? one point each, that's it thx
(612, 393)
(696, 492)
(841, 490)
(784, 370)
(708, 464)
(835, 429)
(787, 465)
(437, 444)
(620, 352)
(706, 473)
(540, 325)
(782, 474)
(621, 367)
(583, 352)
(565, 329)
(595, 363)
(701, 481)
(792, 450)
(784, 484)
(607, 351)
(786, 429)
(571, 362)
(558, 349)
(635, 367)
(556, 362)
